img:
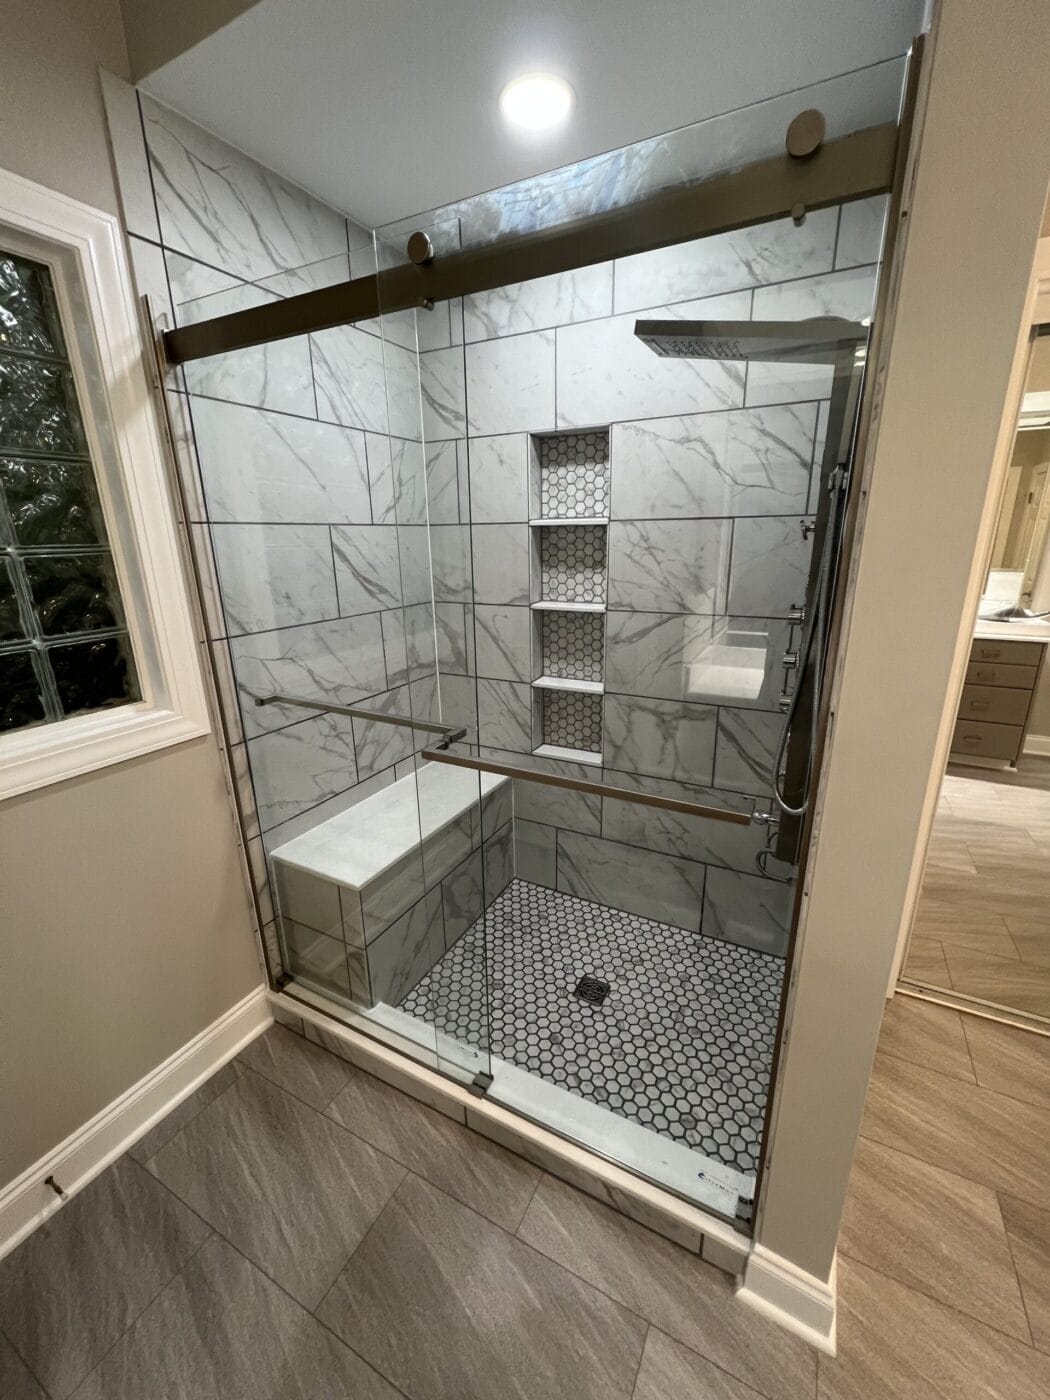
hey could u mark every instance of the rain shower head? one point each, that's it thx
(820, 341)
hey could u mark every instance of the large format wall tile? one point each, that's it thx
(753, 461)
(748, 910)
(503, 637)
(268, 466)
(274, 575)
(221, 206)
(606, 374)
(662, 738)
(860, 231)
(366, 568)
(641, 882)
(448, 497)
(505, 715)
(678, 833)
(769, 567)
(746, 750)
(742, 665)
(501, 563)
(849, 294)
(451, 563)
(499, 478)
(510, 384)
(653, 653)
(297, 767)
(406, 951)
(348, 366)
(580, 295)
(668, 565)
(747, 257)
(443, 390)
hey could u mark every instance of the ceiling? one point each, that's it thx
(384, 109)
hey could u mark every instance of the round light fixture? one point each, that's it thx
(536, 101)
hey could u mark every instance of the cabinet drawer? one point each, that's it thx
(1012, 653)
(999, 704)
(987, 740)
(998, 673)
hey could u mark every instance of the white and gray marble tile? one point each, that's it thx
(297, 767)
(746, 750)
(510, 384)
(463, 897)
(379, 746)
(655, 653)
(580, 295)
(742, 462)
(409, 477)
(151, 279)
(501, 563)
(274, 575)
(535, 853)
(341, 661)
(366, 568)
(413, 543)
(444, 505)
(314, 816)
(315, 957)
(450, 561)
(443, 393)
(308, 899)
(849, 293)
(381, 479)
(351, 380)
(668, 565)
(454, 633)
(406, 951)
(386, 898)
(677, 833)
(503, 637)
(498, 853)
(726, 262)
(742, 664)
(660, 738)
(606, 374)
(561, 807)
(786, 383)
(217, 204)
(770, 566)
(861, 225)
(260, 466)
(130, 161)
(505, 715)
(748, 910)
(309, 277)
(499, 478)
(649, 883)
(408, 642)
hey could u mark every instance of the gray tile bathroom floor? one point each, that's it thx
(682, 1042)
(299, 1229)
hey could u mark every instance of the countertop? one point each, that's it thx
(1038, 630)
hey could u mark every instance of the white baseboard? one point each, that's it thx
(799, 1302)
(1038, 744)
(27, 1202)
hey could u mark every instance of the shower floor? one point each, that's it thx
(682, 1042)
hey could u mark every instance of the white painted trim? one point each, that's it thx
(797, 1301)
(26, 1202)
(84, 249)
(1038, 744)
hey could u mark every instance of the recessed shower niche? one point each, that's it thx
(569, 506)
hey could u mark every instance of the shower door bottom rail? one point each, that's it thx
(618, 794)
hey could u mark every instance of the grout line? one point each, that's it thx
(641, 1359)
(1017, 1272)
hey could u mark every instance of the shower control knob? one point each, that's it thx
(791, 660)
(797, 612)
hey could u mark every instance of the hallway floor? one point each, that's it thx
(299, 1229)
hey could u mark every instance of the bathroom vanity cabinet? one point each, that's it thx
(996, 703)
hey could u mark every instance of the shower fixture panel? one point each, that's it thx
(816, 342)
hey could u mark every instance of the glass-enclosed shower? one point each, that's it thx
(525, 596)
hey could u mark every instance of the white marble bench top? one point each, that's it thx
(358, 845)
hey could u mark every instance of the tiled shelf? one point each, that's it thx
(548, 521)
(567, 683)
(549, 605)
(570, 755)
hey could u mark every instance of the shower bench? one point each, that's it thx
(371, 898)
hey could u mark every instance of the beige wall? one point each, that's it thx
(978, 200)
(124, 922)
(159, 30)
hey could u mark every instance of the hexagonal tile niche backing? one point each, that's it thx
(572, 720)
(682, 1044)
(574, 474)
(572, 564)
(572, 645)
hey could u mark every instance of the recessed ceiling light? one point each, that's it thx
(536, 101)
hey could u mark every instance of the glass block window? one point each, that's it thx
(64, 644)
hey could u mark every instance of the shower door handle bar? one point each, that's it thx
(618, 794)
(451, 734)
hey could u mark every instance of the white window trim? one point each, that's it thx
(85, 250)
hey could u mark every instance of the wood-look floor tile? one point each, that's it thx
(451, 1307)
(1031, 937)
(297, 1064)
(926, 1034)
(16, 1381)
(984, 933)
(1009, 1060)
(73, 1287)
(184, 1112)
(934, 1231)
(475, 1170)
(897, 1344)
(222, 1331)
(677, 1292)
(670, 1371)
(1022, 986)
(292, 1190)
(984, 1136)
(1028, 1229)
(925, 962)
